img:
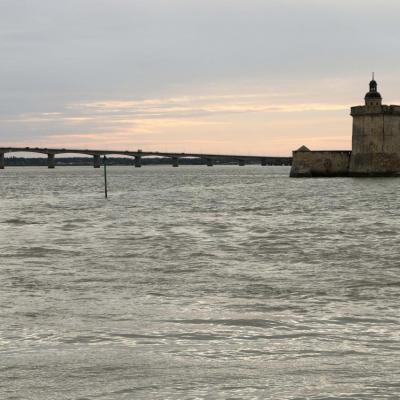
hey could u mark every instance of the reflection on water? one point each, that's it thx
(196, 282)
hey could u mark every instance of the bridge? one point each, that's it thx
(209, 159)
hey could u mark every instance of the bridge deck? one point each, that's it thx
(138, 154)
(92, 152)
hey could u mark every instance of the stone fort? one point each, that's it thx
(375, 144)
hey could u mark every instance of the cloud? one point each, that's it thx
(150, 114)
(226, 70)
(174, 122)
(202, 105)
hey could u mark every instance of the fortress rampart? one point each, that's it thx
(310, 164)
(386, 110)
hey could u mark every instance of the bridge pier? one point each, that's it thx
(1, 160)
(209, 162)
(138, 161)
(96, 161)
(263, 162)
(242, 163)
(175, 161)
(51, 162)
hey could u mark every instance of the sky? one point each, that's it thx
(257, 77)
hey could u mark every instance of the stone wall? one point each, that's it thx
(376, 142)
(308, 163)
(375, 164)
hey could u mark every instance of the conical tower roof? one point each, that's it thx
(303, 148)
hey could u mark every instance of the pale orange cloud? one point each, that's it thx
(256, 123)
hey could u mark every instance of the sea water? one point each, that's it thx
(198, 283)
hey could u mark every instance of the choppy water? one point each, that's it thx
(198, 283)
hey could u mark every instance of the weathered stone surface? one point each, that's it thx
(374, 164)
(320, 163)
(376, 142)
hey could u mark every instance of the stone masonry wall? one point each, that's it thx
(320, 163)
(376, 143)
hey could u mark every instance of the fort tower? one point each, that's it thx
(375, 144)
(376, 137)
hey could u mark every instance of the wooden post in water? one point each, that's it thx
(105, 177)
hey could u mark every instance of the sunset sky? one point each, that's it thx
(220, 76)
